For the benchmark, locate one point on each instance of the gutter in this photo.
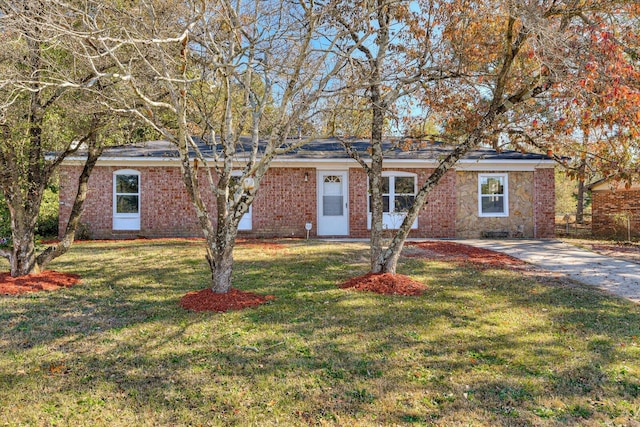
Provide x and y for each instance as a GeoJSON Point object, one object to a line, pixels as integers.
{"type": "Point", "coordinates": [331, 163]}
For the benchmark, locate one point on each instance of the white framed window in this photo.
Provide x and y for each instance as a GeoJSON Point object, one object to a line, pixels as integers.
{"type": "Point", "coordinates": [398, 193]}
{"type": "Point", "coordinates": [126, 200]}
{"type": "Point", "coordinates": [493, 195]}
{"type": "Point", "coordinates": [246, 222]}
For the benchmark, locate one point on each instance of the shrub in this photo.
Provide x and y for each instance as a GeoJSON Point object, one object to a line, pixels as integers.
{"type": "Point", "coordinates": [48, 218]}
{"type": "Point", "coordinates": [47, 224]}
{"type": "Point", "coordinates": [5, 222]}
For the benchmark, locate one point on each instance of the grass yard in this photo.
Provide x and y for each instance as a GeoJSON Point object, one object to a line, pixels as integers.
{"type": "Point", "coordinates": [481, 347]}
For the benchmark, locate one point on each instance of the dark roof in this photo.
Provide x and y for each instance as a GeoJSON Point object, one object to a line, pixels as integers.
{"type": "Point", "coordinates": [329, 148]}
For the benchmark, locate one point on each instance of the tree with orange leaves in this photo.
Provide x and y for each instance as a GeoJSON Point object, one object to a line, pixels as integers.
{"type": "Point", "coordinates": [593, 126]}
{"type": "Point", "coordinates": [517, 72]}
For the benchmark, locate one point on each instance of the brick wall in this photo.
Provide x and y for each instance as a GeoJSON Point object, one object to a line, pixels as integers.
{"type": "Point", "coordinates": [544, 203]}
{"type": "Point", "coordinates": [610, 211]}
{"type": "Point", "coordinates": [285, 203]}
{"type": "Point", "coordinates": [165, 209]}
{"type": "Point", "coordinates": [436, 218]}
{"type": "Point", "coordinates": [358, 204]}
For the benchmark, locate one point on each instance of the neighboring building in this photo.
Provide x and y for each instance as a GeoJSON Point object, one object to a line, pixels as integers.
{"type": "Point", "coordinates": [137, 191]}
{"type": "Point", "coordinates": [615, 209]}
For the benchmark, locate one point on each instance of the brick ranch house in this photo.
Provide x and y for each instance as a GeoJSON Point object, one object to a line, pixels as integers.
{"type": "Point", "coordinates": [612, 205]}
{"type": "Point", "coordinates": [137, 191]}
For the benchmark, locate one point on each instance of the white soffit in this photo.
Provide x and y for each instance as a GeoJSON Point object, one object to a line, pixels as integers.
{"type": "Point", "coordinates": [462, 165]}
{"type": "Point", "coordinates": [611, 185]}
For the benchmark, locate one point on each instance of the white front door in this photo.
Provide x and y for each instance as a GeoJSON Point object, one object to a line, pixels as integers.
{"type": "Point", "coordinates": [126, 200]}
{"type": "Point", "coordinates": [333, 207]}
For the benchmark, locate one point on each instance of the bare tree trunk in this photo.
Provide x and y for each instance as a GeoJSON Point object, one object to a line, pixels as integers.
{"type": "Point", "coordinates": [65, 243]}
{"type": "Point", "coordinates": [375, 183]}
{"type": "Point", "coordinates": [25, 199]}
{"type": "Point", "coordinates": [23, 258]}
{"type": "Point", "coordinates": [389, 260]}
{"type": "Point", "coordinates": [222, 268]}
{"type": "Point", "coordinates": [225, 92]}
{"type": "Point", "coordinates": [44, 106]}
{"type": "Point", "coordinates": [581, 188]}
{"type": "Point", "coordinates": [23, 253]}
{"type": "Point", "coordinates": [222, 273]}
{"type": "Point", "coordinates": [580, 202]}
{"type": "Point", "coordinates": [379, 111]}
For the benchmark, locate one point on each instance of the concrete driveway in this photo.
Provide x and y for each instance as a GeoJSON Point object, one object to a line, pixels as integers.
{"type": "Point", "coordinates": [616, 276]}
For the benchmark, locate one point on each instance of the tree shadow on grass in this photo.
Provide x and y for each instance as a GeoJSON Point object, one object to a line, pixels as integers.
{"type": "Point", "coordinates": [479, 347]}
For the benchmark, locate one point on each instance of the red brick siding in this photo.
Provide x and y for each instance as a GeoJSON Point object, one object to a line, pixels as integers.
{"type": "Point", "coordinates": [358, 204]}
{"type": "Point", "coordinates": [610, 210]}
{"type": "Point", "coordinates": [285, 202]}
{"type": "Point", "coordinates": [436, 218]}
{"type": "Point", "coordinates": [165, 209]}
{"type": "Point", "coordinates": [544, 203]}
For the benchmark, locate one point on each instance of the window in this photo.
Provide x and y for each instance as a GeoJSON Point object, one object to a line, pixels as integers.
{"type": "Point", "coordinates": [493, 193]}
{"type": "Point", "coordinates": [332, 196]}
{"type": "Point", "coordinates": [235, 185]}
{"type": "Point", "coordinates": [126, 200]}
{"type": "Point", "coordinates": [398, 194]}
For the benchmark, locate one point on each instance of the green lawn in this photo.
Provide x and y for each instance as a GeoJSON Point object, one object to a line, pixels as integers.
{"type": "Point", "coordinates": [488, 347]}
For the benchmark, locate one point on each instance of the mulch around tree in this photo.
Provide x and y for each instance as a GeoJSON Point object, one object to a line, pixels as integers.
{"type": "Point", "coordinates": [458, 252]}
{"type": "Point", "coordinates": [385, 283]}
{"type": "Point", "coordinates": [235, 299]}
{"type": "Point", "coordinates": [47, 280]}
{"type": "Point", "coordinates": [207, 300]}
{"type": "Point", "coordinates": [398, 284]}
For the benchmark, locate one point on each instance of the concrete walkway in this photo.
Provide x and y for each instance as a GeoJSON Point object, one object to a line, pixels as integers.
{"type": "Point", "coordinates": [616, 276]}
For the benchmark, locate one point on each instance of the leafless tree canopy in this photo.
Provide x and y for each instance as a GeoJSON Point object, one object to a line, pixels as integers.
{"type": "Point", "coordinates": [491, 71]}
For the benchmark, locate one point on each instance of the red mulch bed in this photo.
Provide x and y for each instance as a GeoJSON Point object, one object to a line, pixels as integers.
{"type": "Point", "coordinates": [207, 300]}
{"type": "Point", "coordinates": [436, 250]}
{"type": "Point", "coordinates": [390, 284]}
{"type": "Point", "coordinates": [457, 252]}
{"type": "Point", "coordinates": [47, 280]}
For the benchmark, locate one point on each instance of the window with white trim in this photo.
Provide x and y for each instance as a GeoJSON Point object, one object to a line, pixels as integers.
{"type": "Point", "coordinates": [493, 195]}
{"type": "Point", "coordinates": [246, 222]}
{"type": "Point", "coordinates": [126, 200]}
{"type": "Point", "coordinates": [398, 193]}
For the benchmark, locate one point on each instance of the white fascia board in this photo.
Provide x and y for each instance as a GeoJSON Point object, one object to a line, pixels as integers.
{"type": "Point", "coordinates": [462, 165]}
{"type": "Point", "coordinates": [174, 161]}
{"type": "Point", "coordinates": [504, 165]}
{"type": "Point", "coordinates": [611, 185]}
{"type": "Point", "coordinates": [466, 165]}
{"type": "Point", "coordinates": [125, 161]}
